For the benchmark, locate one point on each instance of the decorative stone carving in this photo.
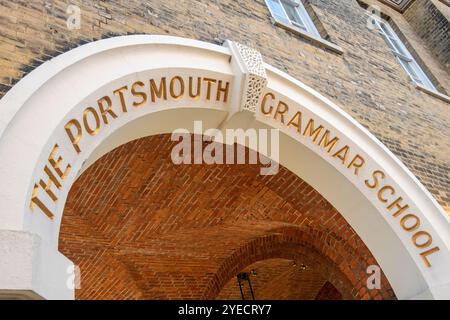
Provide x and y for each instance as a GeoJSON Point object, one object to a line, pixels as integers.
{"type": "Point", "coordinates": [252, 59]}
{"type": "Point", "coordinates": [254, 74]}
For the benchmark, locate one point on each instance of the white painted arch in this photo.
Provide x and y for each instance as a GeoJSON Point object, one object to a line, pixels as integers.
{"type": "Point", "coordinates": [34, 112]}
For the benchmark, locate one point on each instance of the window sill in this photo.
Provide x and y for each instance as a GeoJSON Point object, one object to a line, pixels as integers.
{"type": "Point", "coordinates": [433, 93]}
{"type": "Point", "coordinates": [317, 41]}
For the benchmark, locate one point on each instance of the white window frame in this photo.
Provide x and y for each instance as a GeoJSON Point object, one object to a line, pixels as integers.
{"type": "Point", "coordinates": [306, 24]}
{"type": "Point", "coordinates": [404, 57]}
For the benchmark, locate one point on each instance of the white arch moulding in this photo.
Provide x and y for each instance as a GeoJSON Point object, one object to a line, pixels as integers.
{"type": "Point", "coordinates": [83, 103]}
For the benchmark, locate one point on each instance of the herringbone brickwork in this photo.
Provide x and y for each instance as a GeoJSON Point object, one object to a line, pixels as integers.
{"type": "Point", "coordinates": [139, 226]}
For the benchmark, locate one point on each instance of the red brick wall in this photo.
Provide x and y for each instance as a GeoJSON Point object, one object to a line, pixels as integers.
{"type": "Point", "coordinates": [328, 292]}
{"type": "Point", "coordinates": [280, 279]}
{"type": "Point", "coordinates": [139, 226]}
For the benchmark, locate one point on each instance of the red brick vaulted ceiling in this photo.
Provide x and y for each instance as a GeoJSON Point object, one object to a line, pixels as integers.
{"type": "Point", "coordinates": [140, 227]}
{"type": "Point", "coordinates": [280, 279]}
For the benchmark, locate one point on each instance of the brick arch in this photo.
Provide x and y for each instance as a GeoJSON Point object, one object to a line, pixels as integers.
{"type": "Point", "coordinates": [280, 279]}
{"type": "Point", "coordinates": [342, 266]}
{"type": "Point", "coordinates": [278, 246]}
{"type": "Point", "coordinates": [175, 232]}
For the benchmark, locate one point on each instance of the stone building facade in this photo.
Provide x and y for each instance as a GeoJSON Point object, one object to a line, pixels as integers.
{"type": "Point", "coordinates": [133, 220]}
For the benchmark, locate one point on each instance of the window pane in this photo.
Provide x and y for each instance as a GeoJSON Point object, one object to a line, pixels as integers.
{"type": "Point", "coordinates": [386, 29]}
{"type": "Point", "coordinates": [397, 46]}
{"type": "Point", "coordinates": [389, 43]}
{"type": "Point", "coordinates": [405, 59]}
{"type": "Point", "coordinates": [277, 10]}
{"type": "Point", "coordinates": [407, 66]}
{"type": "Point", "coordinates": [293, 14]}
{"type": "Point", "coordinates": [307, 21]}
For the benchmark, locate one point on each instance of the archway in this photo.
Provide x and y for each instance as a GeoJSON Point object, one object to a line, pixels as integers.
{"type": "Point", "coordinates": [43, 116]}
{"type": "Point", "coordinates": [139, 226]}
{"type": "Point", "coordinates": [280, 279]}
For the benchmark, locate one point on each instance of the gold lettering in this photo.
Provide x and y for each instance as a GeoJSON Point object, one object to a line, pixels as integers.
{"type": "Point", "coordinates": [107, 110]}
{"type": "Point", "coordinates": [195, 96]}
{"type": "Point", "coordinates": [208, 90]}
{"type": "Point", "coordinates": [312, 131]}
{"type": "Point", "coordinates": [342, 154]}
{"type": "Point", "coordinates": [225, 90]}
{"type": "Point", "coordinates": [382, 190]}
{"type": "Point", "coordinates": [410, 228]}
{"type": "Point", "coordinates": [56, 163]}
{"type": "Point", "coordinates": [281, 105]}
{"type": "Point", "coordinates": [119, 92]}
{"type": "Point", "coordinates": [35, 201]}
{"type": "Point", "coordinates": [375, 178]}
{"type": "Point", "coordinates": [328, 144]}
{"type": "Point", "coordinates": [141, 94]}
{"type": "Point", "coordinates": [158, 92]}
{"type": "Point", "coordinates": [172, 88]}
{"type": "Point", "coordinates": [424, 255]}
{"type": "Point", "coordinates": [296, 121]}
{"type": "Point", "coordinates": [72, 138]}
{"type": "Point", "coordinates": [47, 186]}
{"type": "Point", "coordinates": [264, 101]}
{"type": "Point", "coordinates": [86, 123]}
{"type": "Point", "coordinates": [419, 234]}
{"type": "Point", "coordinates": [356, 164]}
{"type": "Point", "coordinates": [397, 205]}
